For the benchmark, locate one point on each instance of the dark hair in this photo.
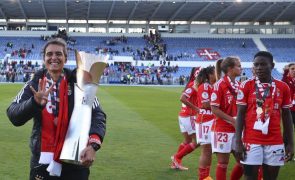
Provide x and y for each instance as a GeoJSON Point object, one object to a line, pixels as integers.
{"type": "Point", "coordinates": [192, 75]}
{"type": "Point", "coordinates": [222, 65]}
{"type": "Point", "coordinates": [56, 41]}
{"type": "Point", "coordinates": [286, 72]}
{"type": "Point", "coordinates": [264, 54]}
{"type": "Point", "coordinates": [203, 75]}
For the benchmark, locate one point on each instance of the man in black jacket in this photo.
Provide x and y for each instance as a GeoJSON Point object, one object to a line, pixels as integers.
{"type": "Point", "coordinates": [49, 99]}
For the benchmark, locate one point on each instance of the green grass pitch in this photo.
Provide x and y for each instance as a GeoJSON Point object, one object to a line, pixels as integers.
{"type": "Point", "coordinates": [142, 134]}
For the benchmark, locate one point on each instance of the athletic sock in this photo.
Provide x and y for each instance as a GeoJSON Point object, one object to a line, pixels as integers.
{"type": "Point", "coordinates": [180, 147]}
{"type": "Point", "coordinates": [260, 173]}
{"type": "Point", "coordinates": [204, 172]}
{"type": "Point", "coordinates": [237, 172]}
{"type": "Point", "coordinates": [221, 171]}
{"type": "Point", "coordinates": [186, 150]}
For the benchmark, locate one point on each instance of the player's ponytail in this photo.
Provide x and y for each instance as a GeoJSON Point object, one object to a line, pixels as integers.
{"type": "Point", "coordinates": [218, 68]}
{"type": "Point", "coordinates": [222, 65]}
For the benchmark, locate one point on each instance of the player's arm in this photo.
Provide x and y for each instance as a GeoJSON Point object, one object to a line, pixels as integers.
{"type": "Point", "coordinates": [98, 122]}
{"type": "Point", "coordinates": [287, 123]}
{"type": "Point", "coordinates": [288, 133]}
{"type": "Point", "coordinates": [96, 134]}
{"type": "Point", "coordinates": [184, 100]}
{"type": "Point", "coordinates": [220, 114]}
{"type": "Point", "coordinates": [240, 123]}
{"type": "Point", "coordinates": [24, 106]}
{"type": "Point", "coordinates": [215, 102]}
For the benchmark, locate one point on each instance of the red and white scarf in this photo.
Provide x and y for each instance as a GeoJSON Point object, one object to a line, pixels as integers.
{"type": "Point", "coordinates": [54, 129]}
{"type": "Point", "coordinates": [262, 88]}
{"type": "Point", "coordinates": [264, 117]}
{"type": "Point", "coordinates": [234, 86]}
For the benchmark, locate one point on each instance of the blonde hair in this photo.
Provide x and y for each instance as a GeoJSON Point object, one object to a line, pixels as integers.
{"type": "Point", "coordinates": [222, 65]}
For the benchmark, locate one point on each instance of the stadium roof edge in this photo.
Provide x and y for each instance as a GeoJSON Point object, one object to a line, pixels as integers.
{"type": "Point", "coordinates": [151, 10]}
{"type": "Point", "coordinates": [200, 0]}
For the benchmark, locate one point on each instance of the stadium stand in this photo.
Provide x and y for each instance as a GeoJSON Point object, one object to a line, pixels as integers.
{"type": "Point", "coordinates": [186, 48]}
{"type": "Point", "coordinates": [281, 48]}
{"type": "Point", "coordinates": [25, 49]}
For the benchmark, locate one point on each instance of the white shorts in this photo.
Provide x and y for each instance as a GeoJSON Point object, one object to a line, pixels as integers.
{"type": "Point", "coordinates": [203, 132]}
{"type": "Point", "coordinates": [272, 155]}
{"type": "Point", "coordinates": [222, 142]}
{"type": "Point", "coordinates": [187, 124]}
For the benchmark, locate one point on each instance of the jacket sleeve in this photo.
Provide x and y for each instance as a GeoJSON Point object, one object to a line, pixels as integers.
{"type": "Point", "coordinates": [98, 120]}
{"type": "Point", "coordinates": [23, 107]}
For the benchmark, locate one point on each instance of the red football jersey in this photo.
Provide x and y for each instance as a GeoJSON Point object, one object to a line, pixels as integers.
{"type": "Point", "coordinates": [204, 93]}
{"type": "Point", "coordinates": [247, 97]}
{"type": "Point", "coordinates": [191, 93]}
{"type": "Point", "coordinates": [223, 98]}
{"type": "Point", "coordinates": [291, 83]}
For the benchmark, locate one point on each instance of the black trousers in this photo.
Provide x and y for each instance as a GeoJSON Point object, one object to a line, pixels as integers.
{"type": "Point", "coordinates": [69, 172]}
{"type": "Point", "coordinates": [293, 117]}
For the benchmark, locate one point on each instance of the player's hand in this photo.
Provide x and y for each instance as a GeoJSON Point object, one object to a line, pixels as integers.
{"type": "Point", "coordinates": [41, 95]}
{"type": "Point", "coordinates": [240, 151]}
{"type": "Point", "coordinates": [233, 121]}
{"type": "Point", "coordinates": [87, 156]}
{"type": "Point", "coordinates": [289, 153]}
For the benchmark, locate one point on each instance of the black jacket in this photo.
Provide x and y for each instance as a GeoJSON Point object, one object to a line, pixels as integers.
{"type": "Point", "coordinates": [24, 107]}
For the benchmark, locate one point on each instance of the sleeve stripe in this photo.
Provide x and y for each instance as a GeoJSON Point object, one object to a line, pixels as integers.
{"type": "Point", "coordinates": [19, 95]}
{"type": "Point", "coordinates": [95, 103]}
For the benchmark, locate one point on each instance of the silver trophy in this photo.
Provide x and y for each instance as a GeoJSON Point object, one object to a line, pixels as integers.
{"type": "Point", "coordinates": [90, 67]}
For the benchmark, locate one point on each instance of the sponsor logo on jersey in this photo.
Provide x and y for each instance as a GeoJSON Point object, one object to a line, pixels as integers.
{"type": "Point", "coordinates": [229, 99]}
{"type": "Point", "coordinates": [205, 111]}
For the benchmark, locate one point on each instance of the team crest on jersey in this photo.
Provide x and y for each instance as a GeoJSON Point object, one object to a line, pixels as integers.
{"type": "Point", "coordinates": [213, 97]}
{"type": "Point", "coordinates": [206, 137]}
{"type": "Point", "coordinates": [229, 99]}
{"type": "Point", "coordinates": [205, 95]}
{"type": "Point", "coordinates": [188, 91]}
{"type": "Point", "coordinates": [221, 146]}
{"type": "Point", "coordinates": [240, 95]}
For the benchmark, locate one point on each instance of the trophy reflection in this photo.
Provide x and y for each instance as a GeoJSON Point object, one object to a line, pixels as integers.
{"type": "Point", "coordinates": [90, 67]}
